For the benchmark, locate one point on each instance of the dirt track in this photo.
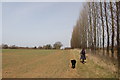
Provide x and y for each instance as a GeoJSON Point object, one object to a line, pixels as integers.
{"type": "Point", "coordinates": [50, 64]}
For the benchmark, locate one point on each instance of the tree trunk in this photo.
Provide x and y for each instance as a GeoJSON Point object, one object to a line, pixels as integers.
{"type": "Point", "coordinates": [90, 22]}
{"type": "Point", "coordinates": [102, 24]}
{"type": "Point", "coordinates": [118, 28]}
{"type": "Point", "coordinates": [94, 25]}
{"type": "Point", "coordinates": [113, 33]}
{"type": "Point", "coordinates": [107, 28]}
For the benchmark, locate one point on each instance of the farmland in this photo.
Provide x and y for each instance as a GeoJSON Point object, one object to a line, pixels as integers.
{"type": "Point", "coordinates": [35, 63]}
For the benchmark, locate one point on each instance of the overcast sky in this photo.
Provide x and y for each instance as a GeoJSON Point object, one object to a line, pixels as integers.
{"type": "Point", "coordinates": [38, 23]}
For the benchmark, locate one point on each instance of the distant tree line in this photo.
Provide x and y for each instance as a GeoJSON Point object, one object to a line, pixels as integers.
{"type": "Point", "coordinates": [98, 27]}
{"type": "Point", "coordinates": [56, 45]}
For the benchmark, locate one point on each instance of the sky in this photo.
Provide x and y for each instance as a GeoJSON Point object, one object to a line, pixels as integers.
{"type": "Point", "coordinates": [38, 23]}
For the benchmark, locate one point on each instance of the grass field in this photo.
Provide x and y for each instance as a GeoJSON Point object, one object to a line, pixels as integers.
{"type": "Point", "coordinates": [31, 63]}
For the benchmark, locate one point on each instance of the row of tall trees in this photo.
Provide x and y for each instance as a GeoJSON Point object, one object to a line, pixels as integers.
{"type": "Point", "coordinates": [98, 27]}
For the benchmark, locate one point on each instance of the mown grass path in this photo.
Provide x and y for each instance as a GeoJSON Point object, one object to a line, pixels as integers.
{"type": "Point", "coordinates": [91, 69]}
{"type": "Point", "coordinates": [23, 63]}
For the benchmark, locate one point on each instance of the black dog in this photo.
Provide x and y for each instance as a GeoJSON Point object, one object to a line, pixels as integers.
{"type": "Point", "coordinates": [73, 63]}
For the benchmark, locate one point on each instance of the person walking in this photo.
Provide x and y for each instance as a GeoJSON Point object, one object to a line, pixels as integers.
{"type": "Point", "coordinates": [83, 56]}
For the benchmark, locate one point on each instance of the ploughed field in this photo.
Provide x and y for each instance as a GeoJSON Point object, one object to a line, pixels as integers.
{"type": "Point", "coordinates": [35, 63]}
